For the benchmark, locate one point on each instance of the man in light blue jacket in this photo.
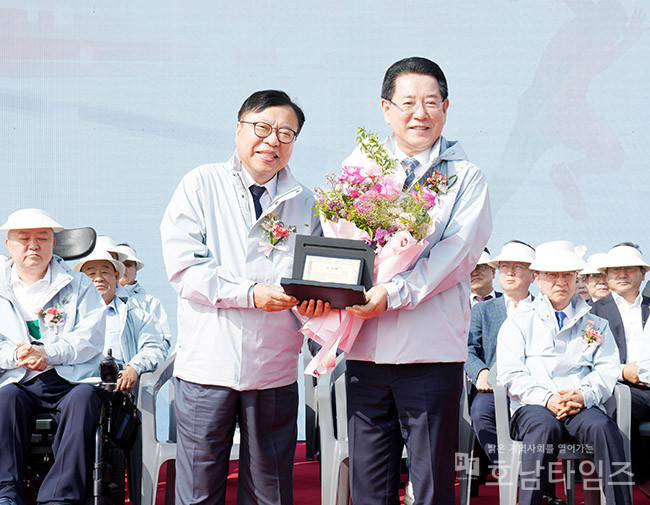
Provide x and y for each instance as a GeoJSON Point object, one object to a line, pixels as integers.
{"type": "Point", "coordinates": [51, 337]}
{"type": "Point", "coordinates": [414, 338]}
{"type": "Point", "coordinates": [135, 290]}
{"type": "Point", "coordinates": [559, 364]}
{"type": "Point", "coordinates": [238, 340]}
{"type": "Point", "coordinates": [137, 340]}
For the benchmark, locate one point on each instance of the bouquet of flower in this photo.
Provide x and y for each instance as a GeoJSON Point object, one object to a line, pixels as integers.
{"type": "Point", "coordinates": [369, 195]}
{"type": "Point", "coordinates": [367, 202]}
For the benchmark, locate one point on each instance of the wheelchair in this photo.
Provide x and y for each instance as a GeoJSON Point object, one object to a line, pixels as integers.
{"type": "Point", "coordinates": [106, 479]}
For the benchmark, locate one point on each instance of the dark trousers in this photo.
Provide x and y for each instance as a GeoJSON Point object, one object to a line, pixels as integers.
{"type": "Point", "coordinates": [392, 405]}
{"type": "Point", "coordinates": [542, 434]}
{"type": "Point", "coordinates": [485, 424]}
{"type": "Point", "coordinates": [76, 409]}
{"type": "Point", "coordinates": [206, 417]}
{"type": "Point", "coordinates": [640, 447]}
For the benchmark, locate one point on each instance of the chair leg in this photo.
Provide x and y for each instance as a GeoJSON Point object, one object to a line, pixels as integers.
{"type": "Point", "coordinates": [569, 481]}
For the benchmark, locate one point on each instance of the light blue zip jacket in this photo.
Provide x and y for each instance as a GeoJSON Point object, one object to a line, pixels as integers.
{"type": "Point", "coordinates": [536, 359]}
{"type": "Point", "coordinates": [210, 241]}
{"type": "Point", "coordinates": [145, 340]}
{"type": "Point", "coordinates": [151, 305]}
{"type": "Point", "coordinates": [428, 314]}
{"type": "Point", "coordinates": [76, 349]}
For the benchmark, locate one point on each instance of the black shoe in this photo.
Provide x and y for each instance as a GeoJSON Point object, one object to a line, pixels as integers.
{"type": "Point", "coordinates": [552, 500]}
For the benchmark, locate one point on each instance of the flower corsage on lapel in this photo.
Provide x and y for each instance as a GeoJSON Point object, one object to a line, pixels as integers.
{"type": "Point", "coordinates": [591, 336]}
{"type": "Point", "coordinates": [275, 232]}
{"type": "Point", "coordinates": [53, 317]}
{"type": "Point", "coordinates": [440, 183]}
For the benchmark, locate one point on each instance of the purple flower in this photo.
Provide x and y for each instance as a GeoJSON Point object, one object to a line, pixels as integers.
{"type": "Point", "coordinates": [381, 236]}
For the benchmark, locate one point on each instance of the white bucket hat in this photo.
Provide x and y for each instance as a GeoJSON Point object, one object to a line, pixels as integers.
{"type": "Point", "coordinates": [130, 255]}
{"type": "Point", "coordinates": [29, 219]}
{"type": "Point", "coordinates": [106, 243]}
{"type": "Point", "coordinates": [623, 256]}
{"type": "Point", "coordinates": [514, 251]}
{"type": "Point", "coordinates": [593, 264]}
{"type": "Point", "coordinates": [100, 254]}
{"type": "Point", "coordinates": [557, 256]}
{"type": "Point", "coordinates": [484, 259]}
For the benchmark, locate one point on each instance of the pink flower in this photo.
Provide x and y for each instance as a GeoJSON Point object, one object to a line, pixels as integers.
{"type": "Point", "coordinates": [352, 175]}
{"type": "Point", "coordinates": [389, 188]}
{"type": "Point", "coordinates": [53, 311]}
{"type": "Point", "coordinates": [370, 171]}
{"type": "Point", "coordinates": [279, 232]}
{"type": "Point", "coordinates": [429, 197]}
{"type": "Point", "coordinates": [400, 241]}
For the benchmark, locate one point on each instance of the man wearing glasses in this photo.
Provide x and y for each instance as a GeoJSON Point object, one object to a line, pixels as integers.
{"type": "Point", "coordinates": [405, 369]}
{"type": "Point", "coordinates": [628, 311]}
{"type": "Point", "coordinates": [238, 340]}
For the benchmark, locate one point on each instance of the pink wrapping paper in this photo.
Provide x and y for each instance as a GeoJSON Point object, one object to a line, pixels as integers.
{"type": "Point", "coordinates": [339, 329]}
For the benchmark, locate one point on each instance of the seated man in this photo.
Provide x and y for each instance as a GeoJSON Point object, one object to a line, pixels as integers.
{"type": "Point", "coordinates": [51, 338]}
{"type": "Point", "coordinates": [627, 311]}
{"type": "Point", "coordinates": [559, 364]}
{"type": "Point", "coordinates": [132, 265]}
{"type": "Point", "coordinates": [135, 337]}
{"type": "Point", "coordinates": [481, 280]}
{"type": "Point", "coordinates": [596, 280]}
{"type": "Point", "coordinates": [643, 364]}
{"type": "Point", "coordinates": [129, 281]}
{"type": "Point", "coordinates": [515, 278]}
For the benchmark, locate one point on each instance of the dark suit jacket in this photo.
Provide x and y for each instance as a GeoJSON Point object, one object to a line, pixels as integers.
{"type": "Point", "coordinates": [606, 308]}
{"type": "Point", "coordinates": [487, 318]}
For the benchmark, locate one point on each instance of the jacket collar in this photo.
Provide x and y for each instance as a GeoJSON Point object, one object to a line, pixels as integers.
{"type": "Point", "coordinates": [61, 277]}
{"type": "Point", "coordinates": [287, 185]}
{"type": "Point", "coordinates": [542, 305]}
{"type": "Point", "coordinates": [450, 150]}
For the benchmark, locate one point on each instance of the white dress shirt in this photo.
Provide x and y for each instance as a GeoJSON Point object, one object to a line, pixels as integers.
{"type": "Point", "coordinates": [113, 332]}
{"type": "Point", "coordinates": [423, 158]}
{"type": "Point", "coordinates": [511, 307]}
{"type": "Point", "coordinates": [30, 299]}
{"type": "Point", "coordinates": [633, 324]}
{"type": "Point", "coordinates": [643, 363]}
{"type": "Point", "coordinates": [474, 298]}
{"type": "Point", "coordinates": [267, 197]}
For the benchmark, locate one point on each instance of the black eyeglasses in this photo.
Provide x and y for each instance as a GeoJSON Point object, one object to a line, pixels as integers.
{"type": "Point", "coordinates": [263, 130]}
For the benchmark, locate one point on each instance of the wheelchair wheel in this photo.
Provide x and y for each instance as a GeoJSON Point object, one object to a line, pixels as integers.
{"type": "Point", "coordinates": [117, 461]}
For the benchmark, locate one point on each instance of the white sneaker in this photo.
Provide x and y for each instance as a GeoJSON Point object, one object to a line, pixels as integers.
{"type": "Point", "coordinates": [409, 497]}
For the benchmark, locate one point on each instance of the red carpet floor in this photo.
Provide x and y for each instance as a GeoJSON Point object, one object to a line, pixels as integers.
{"type": "Point", "coordinates": [307, 486]}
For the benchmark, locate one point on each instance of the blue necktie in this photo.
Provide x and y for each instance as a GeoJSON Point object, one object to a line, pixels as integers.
{"type": "Point", "coordinates": [560, 316]}
{"type": "Point", "coordinates": [257, 192]}
{"type": "Point", "coordinates": [411, 165]}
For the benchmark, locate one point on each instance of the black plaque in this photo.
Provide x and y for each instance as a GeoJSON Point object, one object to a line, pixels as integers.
{"type": "Point", "coordinates": [338, 271]}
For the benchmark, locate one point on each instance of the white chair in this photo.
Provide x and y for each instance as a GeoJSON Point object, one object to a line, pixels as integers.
{"type": "Point", "coordinates": [334, 462]}
{"type": "Point", "coordinates": [311, 407]}
{"type": "Point", "coordinates": [155, 452]}
{"type": "Point", "coordinates": [333, 426]}
{"type": "Point", "coordinates": [465, 456]}
{"type": "Point", "coordinates": [510, 450]}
